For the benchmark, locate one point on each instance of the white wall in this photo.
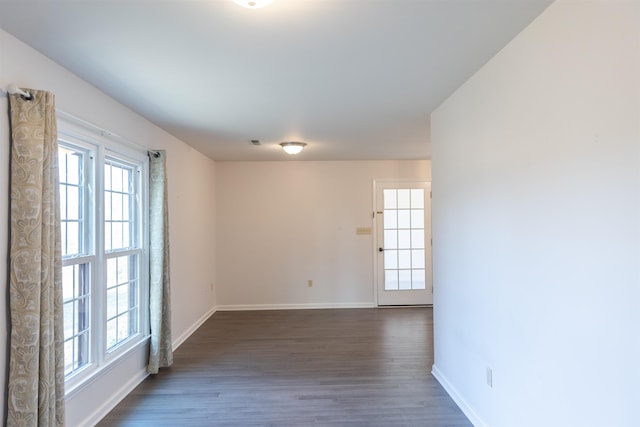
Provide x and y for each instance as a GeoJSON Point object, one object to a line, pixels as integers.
{"type": "Point", "coordinates": [536, 225]}
{"type": "Point", "coordinates": [280, 224]}
{"type": "Point", "coordinates": [191, 211]}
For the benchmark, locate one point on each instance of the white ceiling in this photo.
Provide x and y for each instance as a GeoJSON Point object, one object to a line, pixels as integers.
{"type": "Point", "coordinates": [356, 79]}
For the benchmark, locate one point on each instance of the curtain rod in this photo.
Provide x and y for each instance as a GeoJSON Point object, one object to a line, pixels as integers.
{"type": "Point", "coordinates": [13, 89]}
{"type": "Point", "coordinates": [70, 118]}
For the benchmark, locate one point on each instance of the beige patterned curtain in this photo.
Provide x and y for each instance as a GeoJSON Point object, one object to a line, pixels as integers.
{"type": "Point", "coordinates": [36, 361]}
{"type": "Point", "coordinates": [160, 352]}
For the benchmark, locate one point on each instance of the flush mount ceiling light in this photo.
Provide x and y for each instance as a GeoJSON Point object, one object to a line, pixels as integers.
{"type": "Point", "coordinates": [292, 147]}
{"type": "Point", "coordinates": [252, 4]}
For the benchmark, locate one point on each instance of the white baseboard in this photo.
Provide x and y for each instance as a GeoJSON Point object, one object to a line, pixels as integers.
{"type": "Point", "coordinates": [457, 398]}
{"type": "Point", "coordinates": [113, 401]}
{"type": "Point", "coordinates": [312, 306]}
{"type": "Point", "coordinates": [182, 338]}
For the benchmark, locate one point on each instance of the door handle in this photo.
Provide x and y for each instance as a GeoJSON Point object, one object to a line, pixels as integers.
{"type": "Point", "coordinates": [380, 249]}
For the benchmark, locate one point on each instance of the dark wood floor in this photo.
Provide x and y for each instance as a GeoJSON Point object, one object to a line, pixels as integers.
{"type": "Point", "coordinates": [360, 367]}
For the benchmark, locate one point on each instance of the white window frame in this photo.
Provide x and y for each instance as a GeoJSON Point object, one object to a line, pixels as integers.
{"type": "Point", "coordinates": [87, 255]}
{"type": "Point", "coordinates": [100, 145]}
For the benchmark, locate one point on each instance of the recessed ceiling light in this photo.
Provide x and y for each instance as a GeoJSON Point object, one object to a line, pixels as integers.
{"type": "Point", "coordinates": [252, 4]}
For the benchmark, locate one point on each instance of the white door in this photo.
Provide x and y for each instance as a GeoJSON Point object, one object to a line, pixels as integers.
{"type": "Point", "coordinates": [403, 243]}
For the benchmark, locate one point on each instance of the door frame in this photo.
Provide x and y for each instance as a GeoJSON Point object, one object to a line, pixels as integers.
{"type": "Point", "coordinates": [376, 259]}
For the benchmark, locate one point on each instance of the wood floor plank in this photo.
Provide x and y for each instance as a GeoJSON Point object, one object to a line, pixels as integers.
{"type": "Point", "coordinates": [352, 367]}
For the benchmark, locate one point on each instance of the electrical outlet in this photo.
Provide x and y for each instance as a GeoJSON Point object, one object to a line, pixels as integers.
{"type": "Point", "coordinates": [309, 283]}
{"type": "Point", "coordinates": [489, 377]}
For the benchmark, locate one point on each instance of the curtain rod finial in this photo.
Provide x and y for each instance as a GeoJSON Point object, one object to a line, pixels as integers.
{"type": "Point", "coordinates": [13, 89]}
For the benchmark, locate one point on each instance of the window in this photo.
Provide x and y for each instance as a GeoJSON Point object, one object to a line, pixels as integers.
{"type": "Point", "coordinates": [102, 203]}
{"type": "Point", "coordinates": [77, 258]}
{"type": "Point", "coordinates": [122, 254]}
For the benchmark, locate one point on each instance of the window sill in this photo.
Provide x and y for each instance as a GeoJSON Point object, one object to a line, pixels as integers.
{"type": "Point", "coordinates": [99, 372]}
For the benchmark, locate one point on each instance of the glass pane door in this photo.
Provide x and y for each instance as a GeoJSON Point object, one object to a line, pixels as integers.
{"type": "Point", "coordinates": [402, 237]}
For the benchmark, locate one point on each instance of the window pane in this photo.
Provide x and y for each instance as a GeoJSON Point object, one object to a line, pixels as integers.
{"type": "Point", "coordinates": [83, 348]}
{"type": "Point", "coordinates": [389, 197]}
{"type": "Point", "coordinates": [83, 314]}
{"type": "Point", "coordinates": [73, 201]}
{"type": "Point", "coordinates": [390, 218]}
{"type": "Point", "coordinates": [62, 165]}
{"type": "Point", "coordinates": [404, 199]}
{"type": "Point", "coordinates": [73, 238]}
{"type": "Point", "coordinates": [63, 238]}
{"type": "Point", "coordinates": [123, 327]}
{"type": "Point", "coordinates": [73, 168]}
{"type": "Point", "coordinates": [68, 318]}
{"type": "Point", "coordinates": [404, 279]}
{"type": "Point", "coordinates": [404, 259]}
{"type": "Point", "coordinates": [68, 357]}
{"type": "Point", "coordinates": [116, 235]}
{"type": "Point", "coordinates": [417, 258]}
{"type": "Point", "coordinates": [116, 178]}
{"type": "Point", "coordinates": [71, 164]}
{"type": "Point", "coordinates": [390, 280]}
{"type": "Point", "coordinates": [417, 239]}
{"type": "Point", "coordinates": [417, 199]}
{"type": "Point", "coordinates": [418, 281]}
{"type": "Point", "coordinates": [126, 214]}
{"type": "Point", "coordinates": [119, 216]}
{"type": "Point", "coordinates": [123, 298]}
{"type": "Point", "coordinates": [112, 303]}
{"type": "Point", "coordinates": [417, 218]}
{"type": "Point", "coordinates": [63, 201]}
{"type": "Point", "coordinates": [112, 269]}
{"type": "Point", "coordinates": [126, 181]}
{"type": "Point", "coordinates": [123, 270]}
{"type": "Point", "coordinates": [76, 315]}
{"type": "Point", "coordinates": [116, 206]}
{"type": "Point", "coordinates": [126, 235]}
{"type": "Point", "coordinates": [390, 239]}
{"type": "Point", "coordinates": [67, 283]}
{"type": "Point", "coordinates": [390, 259]}
{"type": "Point", "coordinates": [403, 219]}
{"type": "Point", "coordinates": [404, 239]}
{"type": "Point", "coordinates": [112, 328]}
{"type": "Point", "coordinates": [82, 286]}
